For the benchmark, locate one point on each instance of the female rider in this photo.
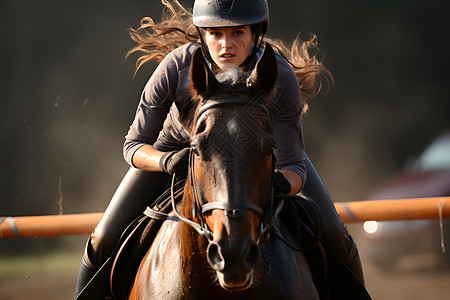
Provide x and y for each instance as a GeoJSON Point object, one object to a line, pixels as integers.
{"type": "Point", "coordinates": [157, 144]}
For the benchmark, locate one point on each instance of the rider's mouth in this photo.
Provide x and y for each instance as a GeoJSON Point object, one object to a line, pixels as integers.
{"type": "Point", "coordinates": [227, 56]}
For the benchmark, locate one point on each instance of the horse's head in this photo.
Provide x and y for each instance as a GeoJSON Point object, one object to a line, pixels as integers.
{"type": "Point", "coordinates": [232, 163]}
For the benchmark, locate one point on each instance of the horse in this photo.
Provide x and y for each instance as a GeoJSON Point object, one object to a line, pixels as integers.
{"type": "Point", "coordinates": [216, 242]}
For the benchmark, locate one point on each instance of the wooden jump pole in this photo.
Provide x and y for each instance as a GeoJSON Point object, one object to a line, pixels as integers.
{"type": "Point", "coordinates": [350, 212]}
{"type": "Point", "coordinates": [46, 226]}
{"type": "Point", "coordinates": [394, 209]}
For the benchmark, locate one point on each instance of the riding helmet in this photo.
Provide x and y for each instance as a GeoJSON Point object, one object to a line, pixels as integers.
{"type": "Point", "coordinates": [228, 13]}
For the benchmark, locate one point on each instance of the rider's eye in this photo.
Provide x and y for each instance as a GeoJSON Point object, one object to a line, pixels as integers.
{"type": "Point", "coordinates": [215, 33]}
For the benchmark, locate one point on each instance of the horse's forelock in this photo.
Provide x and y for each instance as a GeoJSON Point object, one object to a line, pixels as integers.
{"type": "Point", "coordinates": [232, 76]}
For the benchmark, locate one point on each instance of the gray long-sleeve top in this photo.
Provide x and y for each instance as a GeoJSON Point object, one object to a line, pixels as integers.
{"type": "Point", "coordinates": [167, 89]}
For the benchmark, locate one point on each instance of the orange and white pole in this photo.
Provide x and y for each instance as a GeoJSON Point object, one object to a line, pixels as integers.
{"type": "Point", "coordinates": [45, 226]}
{"type": "Point", "coordinates": [350, 212]}
{"type": "Point", "coordinates": [394, 209]}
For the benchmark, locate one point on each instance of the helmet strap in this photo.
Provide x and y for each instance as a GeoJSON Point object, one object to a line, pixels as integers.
{"type": "Point", "coordinates": [205, 49]}
{"type": "Point", "coordinates": [259, 37]}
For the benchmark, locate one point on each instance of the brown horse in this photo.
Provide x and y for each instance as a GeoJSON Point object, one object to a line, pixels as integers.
{"type": "Point", "coordinates": [217, 245]}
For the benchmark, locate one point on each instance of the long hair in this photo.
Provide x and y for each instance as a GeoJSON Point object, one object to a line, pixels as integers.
{"type": "Point", "coordinates": [156, 40]}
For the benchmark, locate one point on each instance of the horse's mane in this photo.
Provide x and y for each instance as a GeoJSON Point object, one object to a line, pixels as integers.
{"type": "Point", "coordinates": [157, 39]}
{"type": "Point", "coordinates": [233, 76]}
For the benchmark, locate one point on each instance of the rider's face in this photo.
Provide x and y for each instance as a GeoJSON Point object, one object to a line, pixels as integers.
{"type": "Point", "coordinates": [229, 45]}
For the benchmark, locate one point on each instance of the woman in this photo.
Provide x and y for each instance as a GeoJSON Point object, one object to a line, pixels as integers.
{"type": "Point", "coordinates": [230, 33]}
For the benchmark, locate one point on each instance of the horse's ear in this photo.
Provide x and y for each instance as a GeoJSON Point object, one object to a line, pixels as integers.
{"type": "Point", "coordinates": [265, 73]}
{"type": "Point", "coordinates": [202, 79]}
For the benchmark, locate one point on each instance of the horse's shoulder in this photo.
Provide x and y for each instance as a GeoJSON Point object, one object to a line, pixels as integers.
{"type": "Point", "coordinates": [166, 244]}
{"type": "Point", "coordinates": [160, 255]}
{"type": "Point", "coordinates": [278, 253]}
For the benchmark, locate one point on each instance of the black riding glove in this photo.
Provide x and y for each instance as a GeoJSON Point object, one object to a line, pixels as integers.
{"type": "Point", "coordinates": [280, 184]}
{"type": "Point", "coordinates": [175, 162]}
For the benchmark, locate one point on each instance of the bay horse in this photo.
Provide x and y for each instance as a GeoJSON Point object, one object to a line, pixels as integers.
{"type": "Point", "coordinates": [216, 244]}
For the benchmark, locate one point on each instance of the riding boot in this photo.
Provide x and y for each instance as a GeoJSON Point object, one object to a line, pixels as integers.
{"type": "Point", "coordinates": [339, 244]}
{"type": "Point", "coordinates": [84, 276]}
{"type": "Point", "coordinates": [354, 264]}
{"type": "Point", "coordinates": [87, 271]}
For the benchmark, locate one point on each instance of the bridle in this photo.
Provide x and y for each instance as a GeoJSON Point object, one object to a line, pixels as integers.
{"type": "Point", "coordinates": [231, 211]}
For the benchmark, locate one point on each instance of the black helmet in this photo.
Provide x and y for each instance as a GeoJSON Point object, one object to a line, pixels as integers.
{"type": "Point", "coordinates": [228, 13]}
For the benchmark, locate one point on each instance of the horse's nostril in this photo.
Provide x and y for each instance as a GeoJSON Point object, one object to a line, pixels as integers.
{"type": "Point", "coordinates": [252, 256]}
{"type": "Point", "coordinates": [215, 258]}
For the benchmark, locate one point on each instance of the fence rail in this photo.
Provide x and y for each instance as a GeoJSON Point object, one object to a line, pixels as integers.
{"type": "Point", "coordinates": [350, 212]}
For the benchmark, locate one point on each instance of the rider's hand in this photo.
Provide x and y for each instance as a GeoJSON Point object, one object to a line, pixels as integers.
{"type": "Point", "coordinates": [175, 162]}
{"type": "Point", "coordinates": [280, 184]}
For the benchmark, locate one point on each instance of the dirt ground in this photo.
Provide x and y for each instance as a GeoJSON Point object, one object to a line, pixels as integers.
{"type": "Point", "coordinates": [412, 278]}
{"type": "Point", "coordinates": [411, 281]}
{"type": "Point", "coordinates": [53, 277]}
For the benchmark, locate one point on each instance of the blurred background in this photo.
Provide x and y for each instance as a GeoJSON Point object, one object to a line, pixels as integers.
{"type": "Point", "coordinates": [69, 96]}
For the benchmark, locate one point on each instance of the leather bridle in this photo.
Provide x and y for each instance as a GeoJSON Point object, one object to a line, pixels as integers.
{"type": "Point", "coordinates": [232, 211]}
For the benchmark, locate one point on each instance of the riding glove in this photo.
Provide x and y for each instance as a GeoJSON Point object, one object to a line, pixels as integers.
{"type": "Point", "coordinates": [175, 162]}
{"type": "Point", "coordinates": [280, 184]}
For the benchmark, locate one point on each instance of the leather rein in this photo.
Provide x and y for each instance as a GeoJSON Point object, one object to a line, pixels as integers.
{"type": "Point", "coordinates": [232, 211]}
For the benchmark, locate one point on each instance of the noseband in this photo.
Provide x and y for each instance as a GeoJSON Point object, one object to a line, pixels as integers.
{"type": "Point", "coordinates": [231, 211]}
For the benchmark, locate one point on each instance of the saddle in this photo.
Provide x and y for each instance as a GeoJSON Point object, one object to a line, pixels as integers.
{"type": "Point", "coordinates": [303, 220]}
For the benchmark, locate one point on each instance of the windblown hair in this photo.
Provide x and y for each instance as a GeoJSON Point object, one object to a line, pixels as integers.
{"type": "Point", "coordinates": [156, 40]}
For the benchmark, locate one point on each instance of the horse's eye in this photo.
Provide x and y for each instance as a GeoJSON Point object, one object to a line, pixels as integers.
{"type": "Point", "coordinates": [201, 127]}
{"type": "Point", "coordinates": [269, 154]}
{"type": "Point", "coordinates": [195, 150]}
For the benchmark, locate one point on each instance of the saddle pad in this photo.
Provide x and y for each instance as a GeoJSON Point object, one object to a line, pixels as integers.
{"type": "Point", "coordinates": [302, 217]}
{"type": "Point", "coordinates": [128, 258]}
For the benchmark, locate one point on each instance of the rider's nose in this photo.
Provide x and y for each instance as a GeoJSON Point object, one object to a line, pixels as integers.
{"type": "Point", "coordinates": [226, 42]}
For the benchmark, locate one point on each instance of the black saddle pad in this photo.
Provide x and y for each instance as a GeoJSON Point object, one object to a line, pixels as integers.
{"type": "Point", "coordinates": [129, 256]}
{"type": "Point", "coordinates": [304, 223]}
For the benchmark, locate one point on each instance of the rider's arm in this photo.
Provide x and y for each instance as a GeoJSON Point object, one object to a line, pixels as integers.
{"type": "Point", "coordinates": [156, 101]}
{"type": "Point", "coordinates": [294, 179]}
{"type": "Point", "coordinates": [147, 158]}
{"type": "Point", "coordinates": [287, 127]}
{"type": "Point", "coordinates": [154, 106]}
